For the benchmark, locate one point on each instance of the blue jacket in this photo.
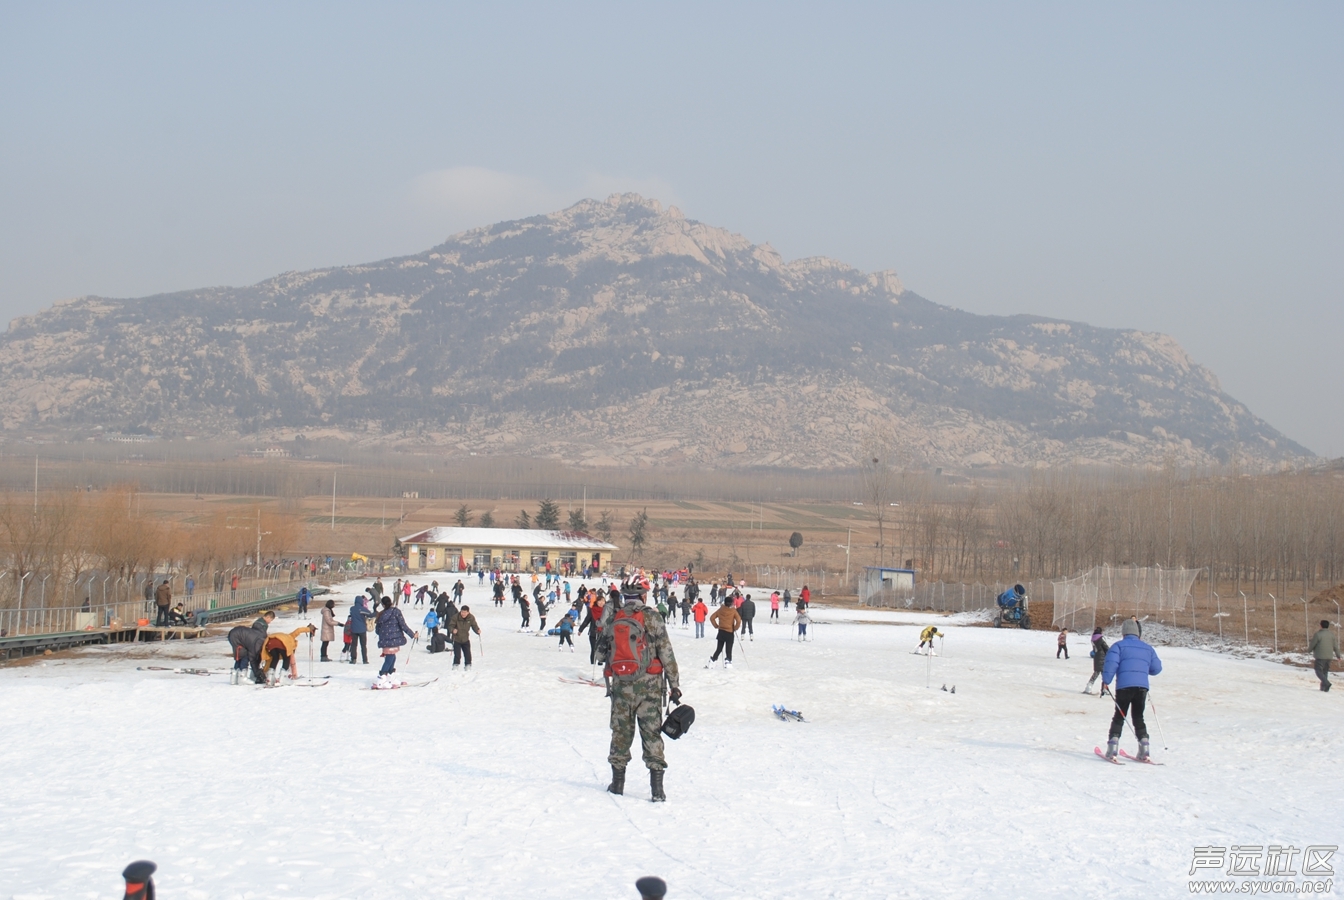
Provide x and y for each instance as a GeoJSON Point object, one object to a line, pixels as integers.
{"type": "Point", "coordinates": [359, 622]}
{"type": "Point", "coordinates": [1130, 661]}
{"type": "Point", "coordinates": [391, 628]}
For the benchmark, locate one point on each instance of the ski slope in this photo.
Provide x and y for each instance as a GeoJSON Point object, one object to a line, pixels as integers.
{"type": "Point", "coordinates": [491, 784]}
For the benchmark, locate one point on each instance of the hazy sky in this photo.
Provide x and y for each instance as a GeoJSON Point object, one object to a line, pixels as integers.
{"type": "Point", "coordinates": [1167, 167]}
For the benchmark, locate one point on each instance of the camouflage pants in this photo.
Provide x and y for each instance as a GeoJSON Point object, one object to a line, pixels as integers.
{"type": "Point", "coordinates": [637, 704]}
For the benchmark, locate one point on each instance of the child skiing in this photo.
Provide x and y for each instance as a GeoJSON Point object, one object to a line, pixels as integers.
{"type": "Point", "coordinates": [432, 623]}
{"type": "Point", "coordinates": [1099, 649]}
{"type": "Point", "coordinates": [566, 629]}
{"type": "Point", "coordinates": [926, 637]}
{"type": "Point", "coordinates": [1062, 645]}
{"type": "Point", "coordinates": [774, 607]}
{"type": "Point", "coordinates": [803, 620]}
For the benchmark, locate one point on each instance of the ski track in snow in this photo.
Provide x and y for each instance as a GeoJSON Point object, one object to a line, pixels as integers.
{"type": "Point", "coordinates": [492, 783]}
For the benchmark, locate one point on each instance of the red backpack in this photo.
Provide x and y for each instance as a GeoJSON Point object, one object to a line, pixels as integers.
{"type": "Point", "coordinates": [631, 653]}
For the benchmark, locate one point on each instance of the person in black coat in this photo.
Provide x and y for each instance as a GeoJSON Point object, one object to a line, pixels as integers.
{"type": "Point", "coordinates": [748, 612]}
{"type": "Point", "coordinates": [246, 641]}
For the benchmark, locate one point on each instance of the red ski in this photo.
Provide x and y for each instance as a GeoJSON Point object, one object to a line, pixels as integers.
{"type": "Point", "coordinates": [1097, 750]}
{"type": "Point", "coordinates": [1126, 755]}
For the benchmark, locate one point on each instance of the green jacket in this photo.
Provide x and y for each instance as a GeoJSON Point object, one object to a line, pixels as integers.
{"type": "Point", "coordinates": [1324, 644]}
{"type": "Point", "coordinates": [461, 628]}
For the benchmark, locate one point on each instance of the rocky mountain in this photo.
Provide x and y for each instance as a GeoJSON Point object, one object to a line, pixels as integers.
{"type": "Point", "coordinates": [620, 332]}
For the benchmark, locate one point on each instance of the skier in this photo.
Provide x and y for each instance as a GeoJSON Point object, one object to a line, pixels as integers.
{"type": "Point", "coordinates": [926, 637]}
{"type": "Point", "coordinates": [279, 649]}
{"type": "Point", "coordinates": [1062, 644]}
{"type": "Point", "coordinates": [392, 633]}
{"type": "Point", "coordinates": [304, 596]}
{"type": "Point", "coordinates": [726, 620]}
{"type": "Point", "coordinates": [526, 610]}
{"type": "Point", "coordinates": [463, 624]}
{"type": "Point", "coordinates": [804, 597]}
{"type": "Point", "coordinates": [774, 607]}
{"type": "Point", "coordinates": [788, 598]}
{"type": "Point", "coordinates": [431, 623]}
{"type": "Point", "coordinates": [246, 641]}
{"type": "Point", "coordinates": [457, 592]}
{"type": "Point", "coordinates": [1099, 649]}
{"type": "Point", "coordinates": [566, 629]}
{"type": "Point", "coordinates": [499, 593]}
{"type": "Point", "coordinates": [700, 611]}
{"type": "Point", "coordinates": [420, 594]}
{"type": "Point", "coordinates": [593, 624]}
{"type": "Point", "coordinates": [541, 615]}
{"type": "Point", "coordinates": [358, 622]}
{"type": "Point", "coordinates": [803, 620]}
{"type": "Point", "coordinates": [747, 610]}
{"type": "Point", "coordinates": [1130, 661]}
{"type": "Point", "coordinates": [1324, 647]}
{"type": "Point", "coordinates": [639, 665]}
{"type": "Point", "coordinates": [328, 627]}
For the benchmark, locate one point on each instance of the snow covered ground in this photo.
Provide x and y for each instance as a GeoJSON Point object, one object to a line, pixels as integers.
{"type": "Point", "coordinates": [491, 784]}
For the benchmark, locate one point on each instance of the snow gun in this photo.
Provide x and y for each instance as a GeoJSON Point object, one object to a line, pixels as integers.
{"type": "Point", "coordinates": [139, 877]}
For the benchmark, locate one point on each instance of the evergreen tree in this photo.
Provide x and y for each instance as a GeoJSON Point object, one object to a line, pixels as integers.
{"type": "Point", "coordinates": [523, 520]}
{"type": "Point", "coordinates": [548, 516]}
{"type": "Point", "coordinates": [577, 522]}
{"type": "Point", "coordinates": [487, 520]}
{"type": "Point", "coordinates": [463, 516]}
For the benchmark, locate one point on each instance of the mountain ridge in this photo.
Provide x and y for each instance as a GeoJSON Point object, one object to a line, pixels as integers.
{"type": "Point", "coordinates": [619, 332]}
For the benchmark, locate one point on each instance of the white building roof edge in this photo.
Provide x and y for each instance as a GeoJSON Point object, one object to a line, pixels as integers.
{"type": "Point", "coordinates": [522, 538]}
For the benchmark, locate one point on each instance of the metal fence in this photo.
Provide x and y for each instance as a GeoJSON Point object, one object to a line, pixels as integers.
{"type": "Point", "coordinates": [947, 596]}
{"type": "Point", "coordinates": [782, 578]}
{"type": "Point", "coordinates": [89, 617]}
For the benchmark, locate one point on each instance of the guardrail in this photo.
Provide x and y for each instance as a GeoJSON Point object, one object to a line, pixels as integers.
{"type": "Point", "coordinates": [200, 608]}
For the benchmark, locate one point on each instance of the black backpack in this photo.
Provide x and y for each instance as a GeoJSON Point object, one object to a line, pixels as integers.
{"type": "Point", "coordinates": [678, 721]}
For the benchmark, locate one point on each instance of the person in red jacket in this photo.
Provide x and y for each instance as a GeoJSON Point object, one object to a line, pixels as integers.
{"type": "Point", "coordinates": [700, 611]}
{"type": "Point", "coordinates": [804, 597]}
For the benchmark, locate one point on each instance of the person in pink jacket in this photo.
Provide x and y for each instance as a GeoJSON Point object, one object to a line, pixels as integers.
{"type": "Point", "coordinates": [774, 607]}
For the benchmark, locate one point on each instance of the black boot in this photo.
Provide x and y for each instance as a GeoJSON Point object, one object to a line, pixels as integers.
{"type": "Point", "coordinates": [656, 786]}
{"type": "Point", "coordinates": [617, 785]}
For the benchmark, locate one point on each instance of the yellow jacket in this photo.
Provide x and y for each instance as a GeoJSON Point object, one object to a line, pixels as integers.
{"type": "Point", "coordinates": [291, 640]}
{"type": "Point", "coordinates": [929, 634]}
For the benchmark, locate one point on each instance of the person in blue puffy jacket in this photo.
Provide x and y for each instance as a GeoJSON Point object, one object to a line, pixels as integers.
{"type": "Point", "coordinates": [359, 630]}
{"type": "Point", "coordinates": [1129, 661]}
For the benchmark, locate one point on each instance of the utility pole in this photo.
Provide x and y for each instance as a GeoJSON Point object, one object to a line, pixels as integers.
{"type": "Point", "coordinates": [333, 501]}
{"type": "Point", "coordinates": [35, 459]}
{"type": "Point", "coordinates": [849, 537]}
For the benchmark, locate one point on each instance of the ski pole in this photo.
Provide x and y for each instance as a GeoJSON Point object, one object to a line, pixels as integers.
{"type": "Point", "coordinates": [928, 667]}
{"type": "Point", "coordinates": [1158, 720]}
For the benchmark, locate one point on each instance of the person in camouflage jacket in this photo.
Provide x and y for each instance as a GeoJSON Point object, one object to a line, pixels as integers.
{"type": "Point", "coordinates": [637, 700]}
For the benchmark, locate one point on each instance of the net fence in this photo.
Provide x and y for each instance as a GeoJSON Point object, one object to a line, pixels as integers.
{"type": "Point", "coordinates": [1140, 591]}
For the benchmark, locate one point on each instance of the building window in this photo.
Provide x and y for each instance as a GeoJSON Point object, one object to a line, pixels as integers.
{"type": "Point", "coordinates": [481, 559]}
{"type": "Point", "coordinates": [538, 559]}
{"type": "Point", "coordinates": [569, 559]}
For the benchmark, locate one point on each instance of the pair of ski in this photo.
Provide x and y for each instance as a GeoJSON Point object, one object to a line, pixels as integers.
{"type": "Point", "coordinates": [178, 671]}
{"type": "Point", "coordinates": [1126, 755]}
{"type": "Point", "coordinates": [402, 684]}
{"type": "Point", "coordinates": [587, 681]}
{"type": "Point", "coordinates": [788, 715]}
{"type": "Point", "coordinates": [320, 681]}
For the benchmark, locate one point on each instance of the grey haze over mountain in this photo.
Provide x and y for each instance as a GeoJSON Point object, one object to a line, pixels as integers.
{"type": "Point", "coordinates": [620, 332]}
